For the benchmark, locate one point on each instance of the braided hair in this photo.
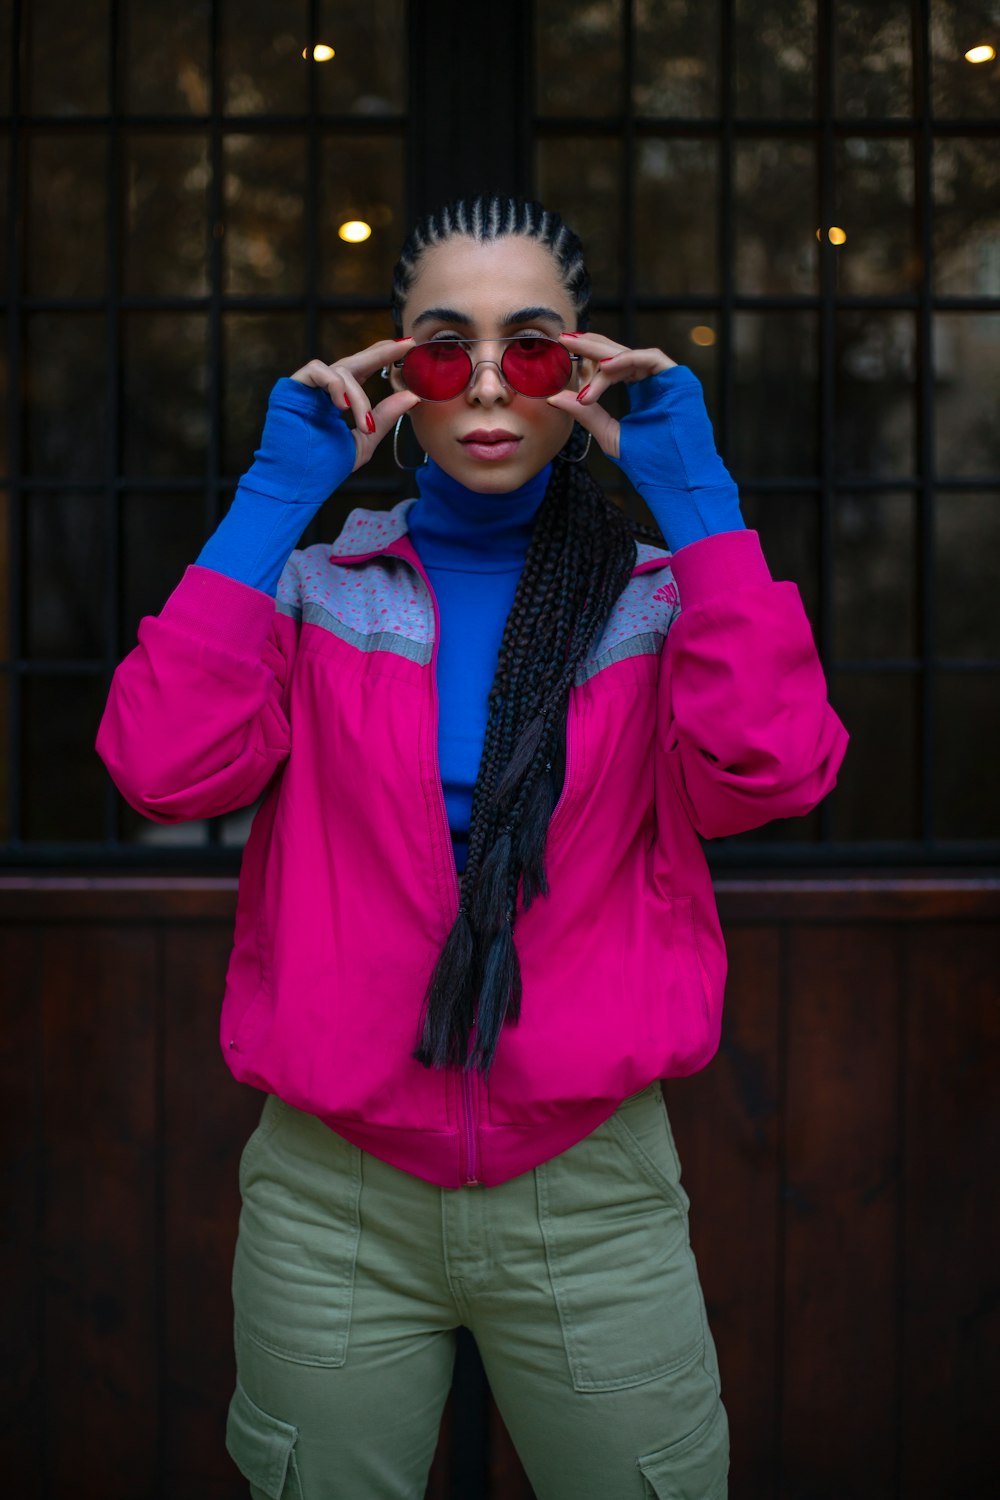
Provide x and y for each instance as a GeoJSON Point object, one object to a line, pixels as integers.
{"type": "Point", "coordinates": [581, 557]}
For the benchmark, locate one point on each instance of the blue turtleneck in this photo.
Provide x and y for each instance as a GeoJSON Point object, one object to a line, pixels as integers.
{"type": "Point", "coordinates": [473, 548]}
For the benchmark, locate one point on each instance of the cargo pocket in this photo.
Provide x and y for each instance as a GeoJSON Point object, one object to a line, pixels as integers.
{"type": "Point", "coordinates": [263, 1449]}
{"type": "Point", "coordinates": [695, 1468]}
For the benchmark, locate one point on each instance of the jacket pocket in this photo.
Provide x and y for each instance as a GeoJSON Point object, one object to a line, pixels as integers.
{"type": "Point", "coordinates": [623, 1274]}
{"type": "Point", "coordinates": [263, 1449]}
{"type": "Point", "coordinates": [300, 1225]}
{"type": "Point", "coordinates": [695, 1468]}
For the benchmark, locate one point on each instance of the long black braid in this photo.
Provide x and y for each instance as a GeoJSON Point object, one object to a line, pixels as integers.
{"type": "Point", "coordinates": [580, 559]}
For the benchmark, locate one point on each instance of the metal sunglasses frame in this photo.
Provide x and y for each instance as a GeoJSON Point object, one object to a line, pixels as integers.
{"type": "Point", "coordinates": [574, 359]}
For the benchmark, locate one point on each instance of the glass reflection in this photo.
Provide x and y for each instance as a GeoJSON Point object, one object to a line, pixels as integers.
{"type": "Point", "coordinates": [873, 188]}
{"type": "Point", "coordinates": [583, 175]}
{"type": "Point", "coordinates": [362, 178]}
{"type": "Point", "coordinates": [166, 58]}
{"type": "Point", "coordinates": [960, 88]}
{"type": "Point", "coordinates": [676, 58]}
{"type": "Point", "coordinates": [775, 217]}
{"type": "Point", "coordinates": [874, 59]}
{"type": "Point", "coordinates": [881, 713]}
{"type": "Point", "coordinates": [966, 734]}
{"type": "Point", "coordinates": [966, 547]}
{"type": "Point", "coordinates": [966, 348]}
{"type": "Point", "coordinates": [264, 188]}
{"type": "Point", "coordinates": [65, 423]}
{"type": "Point", "coordinates": [257, 349]}
{"type": "Point", "coordinates": [66, 46]}
{"type": "Point", "coordinates": [166, 212]}
{"type": "Point", "coordinates": [966, 178]}
{"type": "Point", "coordinates": [66, 209]}
{"type": "Point", "coordinates": [775, 412]}
{"type": "Point", "coordinates": [165, 382]}
{"type": "Point", "coordinates": [260, 57]}
{"type": "Point", "coordinates": [875, 568]}
{"type": "Point", "coordinates": [874, 395]}
{"type": "Point", "coordinates": [65, 571]}
{"type": "Point", "coordinates": [368, 74]}
{"type": "Point", "coordinates": [676, 186]}
{"type": "Point", "coordinates": [574, 40]}
{"type": "Point", "coordinates": [774, 58]}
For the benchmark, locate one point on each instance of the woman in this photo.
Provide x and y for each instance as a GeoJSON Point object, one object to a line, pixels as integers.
{"type": "Point", "coordinates": [475, 926]}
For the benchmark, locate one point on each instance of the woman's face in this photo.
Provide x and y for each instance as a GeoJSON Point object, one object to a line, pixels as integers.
{"type": "Point", "coordinates": [489, 291]}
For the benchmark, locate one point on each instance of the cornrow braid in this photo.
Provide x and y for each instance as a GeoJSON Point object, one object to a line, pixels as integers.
{"type": "Point", "coordinates": [581, 557]}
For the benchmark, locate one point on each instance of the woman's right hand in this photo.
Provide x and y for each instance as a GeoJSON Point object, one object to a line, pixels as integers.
{"type": "Point", "coordinates": [343, 383]}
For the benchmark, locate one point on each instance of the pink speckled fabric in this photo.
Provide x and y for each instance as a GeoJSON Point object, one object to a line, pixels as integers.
{"type": "Point", "coordinates": [702, 711]}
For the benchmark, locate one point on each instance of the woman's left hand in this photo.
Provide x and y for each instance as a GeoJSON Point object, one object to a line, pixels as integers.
{"type": "Point", "coordinates": [615, 362]}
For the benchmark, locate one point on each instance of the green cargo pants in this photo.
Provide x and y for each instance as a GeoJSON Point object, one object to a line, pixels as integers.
{"type": "Point", "coordinates": [576, 1280]}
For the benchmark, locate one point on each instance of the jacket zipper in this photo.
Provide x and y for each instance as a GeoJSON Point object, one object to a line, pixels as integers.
{"type": "Point", "coordinates": [468, 1085]}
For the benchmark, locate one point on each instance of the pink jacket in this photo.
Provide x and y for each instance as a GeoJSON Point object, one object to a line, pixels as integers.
{"type": "Point", "coordinates": [701, 711]}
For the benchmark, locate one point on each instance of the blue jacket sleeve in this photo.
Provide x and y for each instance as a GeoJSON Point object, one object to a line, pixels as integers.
{"type": "Point", "coordinates": [306, 452]}
{"type": "Point", "coordinates": [668, 452]}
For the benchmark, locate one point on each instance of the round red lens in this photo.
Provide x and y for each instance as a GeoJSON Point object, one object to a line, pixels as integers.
{"type": "Point", "coordinates": [537, 367]}
{"type": "Point", "coordinates": [437, 372]}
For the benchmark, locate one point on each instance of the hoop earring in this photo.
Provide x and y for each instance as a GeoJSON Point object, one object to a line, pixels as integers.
{"type": "Point", "coordinates": [395, 449]}
{"type": "Point", "coordinates": [586, 449]}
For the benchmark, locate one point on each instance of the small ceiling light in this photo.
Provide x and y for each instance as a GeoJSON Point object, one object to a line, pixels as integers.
{"type": "Point", "coordinates": [702, 335]}
{"type": "Point", "coordinates": [985, 53]}
{"type": "Point", "coordinates": [836, 236]}
{"type": "Point", "coordinates": [354, 231]}
{"type": "Point", "coordinates": [321, 52]}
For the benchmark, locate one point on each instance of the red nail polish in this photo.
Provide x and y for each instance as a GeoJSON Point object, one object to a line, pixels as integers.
{"type": "Point", "coordinates": [402, 340]}
{"type": "Point", "coordinates": [370, 420]}
{"type": "Point", "coordinates": [606, 358]}
{"type": "Point", "coordinates": [583, 393]}
{"type": "Point", "coordinates": [347, 400]}
{"type": "Point", "coordinates": [571, 335]}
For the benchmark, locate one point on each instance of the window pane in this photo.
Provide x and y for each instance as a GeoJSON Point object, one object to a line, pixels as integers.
{"type": "Point", "coordinates": [166, 58]}
{"type": "Point", "coordinates": [873, 206]}
{"type": "Point", "coordinates": [64, 781]}
{"type": "Point", "coordinates": [967, 545]}
{"type": "Point", "coordinates": [776, 211]}
{"type": "Point", "coordinates": [775, 417]}
{"type": "Point", "coordinates": [961, 88]}
{"type": "Point", "coordinates": [165, 251]}
{"type": "Point", "coordinates": [265, 186]}
{"type": "Point", "coordinates": [577, 41]}
{"type": "Point", "coordinates": [874, 575]}
{"type": "Point", "coordinates": [874, 58]}
{"type": "Point", "coordinates": [5, 573]}
{"type": "Point", "coordinates": [583, 177]}
{"type": "Point", "coordinates": [966, 218]}
{"type": "Point", "coordinates": [4, 444]}
{"type": "Point", "coordinates": [788, 526]}
{"type": "Point", "coordinates": [880, 713]}
{"type": "Point", "coordinates": [774, 47]}
{"type": "Point", "coordinates": [164, 405]}
{"type": "Point", "coordinates": [362, 179]}
{"type": "Point", "coordinates": [676, 231]}
{"type": "Point", "coordinates": [65, 428]}
{"type": "Point", "coordinates": [874, 429]}
{"type": "Point", "coordinates": [66, 209]}
{"type": "Point", "coordinates": [161, 534]}
{"type": "Point", "coordinates": [967, 393]}
{"type": "Point", "coordinates": [65, 575]}
{"type": "Point", "coordinates": [368, 74]}
{"type": "Point", "coordinates": [676, 58]}
{"type": "Point", "coordinates": [6, 19]}
{"type": "Point", "coordinates": [967, 731]}
{"type": "Point", "coordinates": [5, 741]}
{"type": "Point", "coordinates": [261, 65]}
{"type": "Point", "coordinates": [688, 338]}
{"type": "Point", "coordinates": [4, 186]}
{"type": "Point", "coordinates": [67, 51]}
{"type": "Point", "coordinates": [258, 348]}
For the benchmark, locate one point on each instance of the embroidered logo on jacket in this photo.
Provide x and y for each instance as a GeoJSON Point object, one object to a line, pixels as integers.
{"type": "Point", "coordinates": [668, 593]}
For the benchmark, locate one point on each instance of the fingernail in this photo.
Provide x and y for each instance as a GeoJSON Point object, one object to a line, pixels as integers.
{"type": "Point", "coordinates": [403, 339]}
{"type": "Point", "coordinates": [583, 393]}
{"type": "Point", "coordinates": [347, 400]}
{"type": "Point", "coordinates": [606, 358]}
{"type": "Point", "coordinates": [370, 420]}
{"type": "Point", "coordinates": [568, 335]}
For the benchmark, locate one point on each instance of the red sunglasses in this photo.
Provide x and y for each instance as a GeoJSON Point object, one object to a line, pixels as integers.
{"type": "Point", "coordinates": [443, 369]}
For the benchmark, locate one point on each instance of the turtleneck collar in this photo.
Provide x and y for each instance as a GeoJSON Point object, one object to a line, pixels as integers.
{"type": "Point", "coordinates": [451, 526]}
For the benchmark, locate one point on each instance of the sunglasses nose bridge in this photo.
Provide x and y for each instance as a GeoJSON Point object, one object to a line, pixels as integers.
{"type": "Point", "coordinates": [478, 364]}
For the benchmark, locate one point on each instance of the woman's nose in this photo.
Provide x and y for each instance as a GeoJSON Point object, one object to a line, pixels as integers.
{"type": "Point", "coordinates": [487, 383]}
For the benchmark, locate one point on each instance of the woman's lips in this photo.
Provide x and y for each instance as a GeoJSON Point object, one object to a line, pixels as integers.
{"type": "Point", "coordinates": [494, 443]}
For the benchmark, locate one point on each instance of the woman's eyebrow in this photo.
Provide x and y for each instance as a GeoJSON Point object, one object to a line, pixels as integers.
{"type": "Point", "coordinates": [523, 315]}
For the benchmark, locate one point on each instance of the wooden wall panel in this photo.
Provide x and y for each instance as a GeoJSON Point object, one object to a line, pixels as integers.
{"type": "Point", "coordinates": [839, 1153]}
